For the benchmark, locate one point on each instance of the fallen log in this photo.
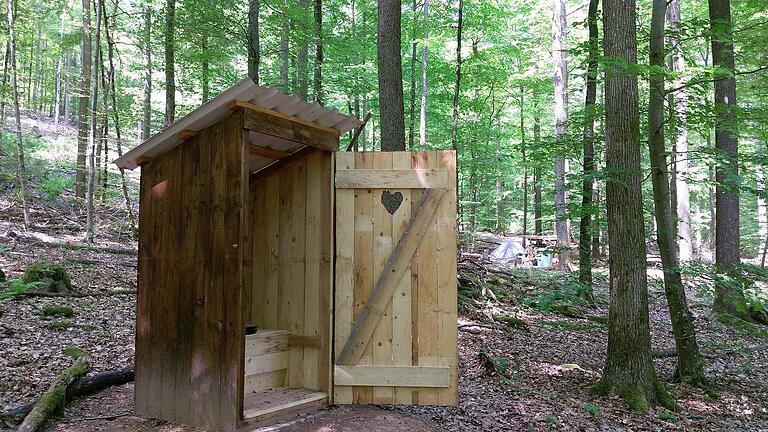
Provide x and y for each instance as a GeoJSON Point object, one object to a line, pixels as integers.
{"type": "Point", "coordinates": [85, 386]}
{"type": "Point", "coordinates": [56, 395]}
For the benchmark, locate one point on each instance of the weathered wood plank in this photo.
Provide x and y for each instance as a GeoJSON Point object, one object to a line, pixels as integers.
{"type": "Point", "coordinates": [325, 325]}
{"type": "Point", "coordinates": [270, 124]}
{"type": "Point", "coordinates": [267, 152]}
{"type": "Point", "coordinates": [264, 381]}
{"type": "Point", "coordinates": [256, 108]}
{"type": "Point", "coordinates": [392, 178]}
{"type": "Point", "coordinates": [298, 256]}
{"type": "Point", "coordinates": [392, 376]}
{"type": "Point", "coordinates": [312, 226]}
{"type": "Point", "coordinates": [364, 276]}
{"type": "Point", "coordinates": [344, 270]}
{"type": "Point", "coordinates": [266, 362]}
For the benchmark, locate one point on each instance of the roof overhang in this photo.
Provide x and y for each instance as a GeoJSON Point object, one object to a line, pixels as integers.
{"type": "Point", "coordinates": [244, 94]}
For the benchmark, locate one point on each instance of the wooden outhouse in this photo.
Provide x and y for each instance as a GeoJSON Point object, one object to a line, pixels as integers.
{"type": "Point", "coordinates": [277, 273]}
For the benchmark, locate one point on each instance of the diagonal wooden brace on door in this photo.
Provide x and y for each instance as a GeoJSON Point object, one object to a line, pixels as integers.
{"type": "Point", "coordinates": [393, 271]}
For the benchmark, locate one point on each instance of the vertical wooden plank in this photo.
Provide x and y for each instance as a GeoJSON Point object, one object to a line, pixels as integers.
{"type": "Point", "coordinates": [345, 270]}
{"type": "Point", "coordinates": [259, 251]}
{"type": "Point", "coordinates": [271, 210]}
{"type": "Point", "coordinates": [381, 341]}
{"type": "Point", "coordinates": [418, 161]}
{"type": "Point", "coordinates": [427, 306]}
{"type": "Point", "coordinates": [232, 356]}
{"type": "Point", "coordinates": [313, 235]}
{"type": "Point", "coordinates": [144, 299]}
{"type": "Point", "coordinates": [298, 256]}
{"type": "Point", "coordinates": [199, 390]}
{"type": "Point", "coordinates": [446, 278]}
{"type": "Point", "coordinates": [285, 281]}
{"type": "Point", "coordinates": [326, 275]}
{"type": "Point", "coordinates": [401, 300]}
{"type": "Point", "coordinates": [364, 277]}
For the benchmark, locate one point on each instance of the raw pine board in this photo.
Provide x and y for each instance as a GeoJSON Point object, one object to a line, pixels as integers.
{"type": "Point", "coordinates": [418, 327]}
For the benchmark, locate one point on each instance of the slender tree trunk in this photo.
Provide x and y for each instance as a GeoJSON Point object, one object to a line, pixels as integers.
{"type": "Point", "coordinates": [423, 110]}
{"type": "Point", "coordinates": [318, 75]}
{"type": "Point", "coordinates": [537, 229]}
{"type": "Point", "coordinates": [116, 116]}
{"type": "Point", "coordinates": [457, 86]}
{"type": "Point", "coordinates": [685, 245]}
{"type": "Point", "coordinates": [560, 78]}
{"type": "Point", "coordinates": [254, 49]}
{"type": "Point", "coordinates": [762, 214]}
{"type": "Point", "coordinates": [523, 147]}
{"type": "Point", "coordinates": [629, 371]}
{"type": "Point", "coordinates": [6, 59]}
{"type": "Point", "coordinates": [585, 229]}
{"type": "Point", "coordinates": [412, 110]}
{"type": "Point", "coordinates": [170, 63]}
{"type": "Point", "coordinates": [59, 66]}
{"type": "Point", "coordinates": [38, 54]}
{"type": "Point", "coordinates": [729, 292]}
{"type": "Point", "coordinates": [390, 77]}
{"type": "Point", "coordinates": [85, 91]}
{"type": "Point", "coordinates": [596, 222]}
{"type": "Point", "coordinates": [67, 71]}
{"type": "Point", "coordinates": [205, 78]}
{"type": "Point", "coordinates": [690, 367]}
{"type": "Point", "coordinates": [93, 135]}
{"type": "Point", "coordinates": [284, 61]}
{"type": "Point", "coordinates": [301, 58]}
{"type": "Point", "coordinates": [21, 170]}
{"type": "Point", "coordinates": [147, 107]}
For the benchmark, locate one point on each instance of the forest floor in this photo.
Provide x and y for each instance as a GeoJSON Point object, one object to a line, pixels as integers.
{"type": "Point", "coordinates": [531, 375]}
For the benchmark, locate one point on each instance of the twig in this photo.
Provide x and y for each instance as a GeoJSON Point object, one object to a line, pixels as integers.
{"type": "Point", "coordinates": [358, 131]}
{"type": "Point", "coordinates": [106, 417]}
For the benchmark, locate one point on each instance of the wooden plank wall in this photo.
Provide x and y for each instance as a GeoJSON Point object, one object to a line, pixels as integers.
{"type": "Point", "coordinates": [418, 327]}
{"type": "Point", "coordinates": [189, 342]}
{"type": "Point", "coordinates": [291, 263]}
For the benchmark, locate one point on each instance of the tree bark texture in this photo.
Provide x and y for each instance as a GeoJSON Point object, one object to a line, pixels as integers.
{"type": "Point", "coordinates": [94, 136]}
{"type": "Point", "coordinates": [170, 63]}
{"type": "Point", "coordinates": [21, 171]}
{"type": "Point", "coordinates": [537, 228]}
{"type": "Point", "coordinates": [317, 82]}
{"type": "Point", "coordinates": [254, 49]}
{"type": "Point", "coordinates": [729, 292]}
{"type": "Point", "coordinates": [392, 121]}
{"type": "Point", "coordinates": [423, 110]}
{"type": "Point", "coordinates": [412, 102]}
{"type": "Point", "coordinates": [629, 371]}
{"type": "Point", "coordinates": [85, 91]}
{"type": "Point", "coordinates": [560, 78]}
{"type": "Point", "coordinates": [147, 108]}
{"type": "Point", "coordinates": [457, 86]}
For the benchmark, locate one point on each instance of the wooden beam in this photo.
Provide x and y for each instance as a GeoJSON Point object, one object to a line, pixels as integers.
{"type": "Point", "coordinates": [291, 128]}
{"type": "Point", "coordinates": [282, 164]}
{"type": "Point", "coordinates": [390, 276]}
{"type": "Point", "coordinates": [187, 134]}
{"type": "Point", "coordinates": [237, 103]}
{"type": "Point", "coordinates": [142, 160]}
{"type": "Point", "coordinates": [359, 129]}
{"type": "Point", "coordinates": [391, 179]}
{"type": "Point", "coordinates": [392, 376]}
{"type": "Point", "coordinates": [267, 152]}
{"type": "Point", "coordinates": [305, 341]}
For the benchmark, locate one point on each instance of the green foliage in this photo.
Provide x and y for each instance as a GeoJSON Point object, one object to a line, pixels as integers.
{"type": "Point", "coordinates": [55, 185]}
{"type": "Point", "coordinates": [511, 321]}
{"type": "Point", "coordinates": [592, 409]}
{"type": "Point", "coordinates": [48, 276]}
{"type": "Point", "coordinates": [58, 311]}
{"type": "Point", "coordinates": [75, 352]}
{"type": "Point", "coordinates": [552, 420]}
{"type": "Point", "coordinates": [743, 326]}
{"type": "Point", "coordinates": [667, 416]}
{"type": "Point", "coordinates": [496, 366]}
{"type": "Point", "coordinates": [60, 325]}
{"type": "Point", "coordinates": [17, 288]}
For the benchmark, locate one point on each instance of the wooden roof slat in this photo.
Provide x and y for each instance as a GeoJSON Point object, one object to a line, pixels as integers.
{"type": "Point", "coordinates": [267, 152]}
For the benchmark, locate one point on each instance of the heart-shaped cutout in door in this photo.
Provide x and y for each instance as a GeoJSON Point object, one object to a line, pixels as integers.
{"type": "Point", "coordinates": [391, 201]}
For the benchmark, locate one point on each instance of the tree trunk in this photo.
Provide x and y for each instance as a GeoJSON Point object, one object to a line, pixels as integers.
{"type": "Point", "coordinates": [390, 77]}
{"type": "Point", "coordinates": [21, 171]}
{"type": "Point", "coordinates": [6, 59]}
{"type": "Point", "coordinates": [685, 245]}
{"type": "Point", "coordinates": [85, 91]}
{"type": "Point", "coordinates": [457, 86]}
{"type": "Point", "coordinates": [629, 371]}
{"type": "Point", "coordinates": [254, 49]}
{"type": "Point", "coordinates": [93, 136]}
{"type": "Point", "coordinates": [205, 78]}
{"type": "Point", "coordinates": [412, 110]}
{"type": "Point", "coordinates": [116, 116]}
{"type": "Point", "coordinates": [537, 229]}
{"type": "Point", "coordinates": [67, 70]}
{"type": "Point", "coordinates": [560, 78]}
{"type": "Point", "coordinates": [36, 81]}
{"type": "Point", "coordinates": [59, 66]}
{"type": "Point", "coordinates": [423, 110]}
{"type": "Point", "coordinates": [170, 63]}
{"type": "Point", "coordinates": [524, 152]}
{"type": "Point", "coordinates": [301, 58]}
{"type": "Point", "coordinates": [762, 214]}
{"type": "Point", "coordinates": [689, 363]}
{"type": "Point", "coordinates": [284, 62]}
{"type": "Point", "coordinates": [317, 82]}
{"type": "Point", "coordinates": [585, 229]}
{"type": "Point", "coordinates": [729, 292]}
{"type": "Point", "coordinates": [147, 108]}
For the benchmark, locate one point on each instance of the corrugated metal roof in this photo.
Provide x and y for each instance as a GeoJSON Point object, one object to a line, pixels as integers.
{"type": "Point", "coordinates": [218, 107]}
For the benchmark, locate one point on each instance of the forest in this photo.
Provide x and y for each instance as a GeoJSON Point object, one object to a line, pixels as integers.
{"type": "Point", "coordinates": [619, 146]}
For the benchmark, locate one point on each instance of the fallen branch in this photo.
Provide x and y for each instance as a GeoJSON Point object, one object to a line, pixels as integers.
{"type": "Point", "coordinates": [106, 417]}
{"type": "Point", "coordinates": [56, 395]}
{"type": "Point", "coordinates": [85, 386]}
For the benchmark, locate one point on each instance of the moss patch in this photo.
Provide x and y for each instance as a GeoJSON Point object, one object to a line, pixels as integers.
{"type": "Point", "coordinates": [58, 311]}
{"type": "Point", "coordinates": [48, 277]}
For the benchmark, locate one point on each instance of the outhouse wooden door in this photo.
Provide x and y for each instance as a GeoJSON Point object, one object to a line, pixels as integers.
{"type": "Point", "coordinates": [395, 289]}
